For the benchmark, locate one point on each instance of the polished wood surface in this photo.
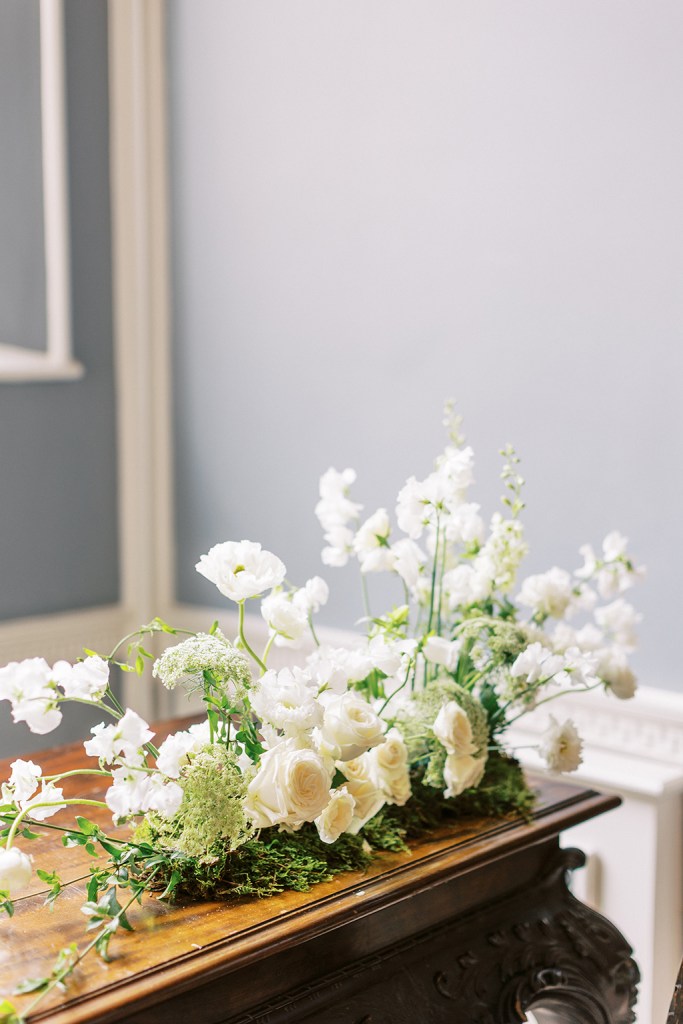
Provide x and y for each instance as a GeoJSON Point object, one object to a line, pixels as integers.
{"type": "Point", "coordinates": [279, 959]}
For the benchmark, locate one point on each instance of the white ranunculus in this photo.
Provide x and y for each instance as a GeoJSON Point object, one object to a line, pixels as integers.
{"type": "Point", "coordinates": [285, 618]}
{"type": "Point", "coordinates": [350, 724]}
{"type": "Point", "coordinates": [452, 728]}
{"type": "Point", "coordinates": [86, 680]}
{"type": "Point", "coordinates": [286, 700]}
{"type": "Point", "coordinates": [389, 766]}
{"type": "Point", "coordinates": [561, 746]}
{"type": "Point", "coordinates": [548, 593]}
{"type": "Point", "coordinates": [441, 651]}
{"type": "Point", "coordinates": [241, 569]}
{"type": "Point", "coordinates": [461, 773]}
{"type": "Point", "coordinates": [15, 869]}
{"type": "Point", "coordinates": [337, 816]}
{"type": "Point", "coordinates": [292, 785]}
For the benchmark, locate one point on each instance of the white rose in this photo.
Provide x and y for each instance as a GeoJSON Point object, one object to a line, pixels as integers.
{"type": "Point", "coordinates": [389, 765]}
{"type": "Point", "coordinates": [369, 799]}
{"type": "Point", "coordinates": [15, 869]}
{"type": "Point", "coordinates": [241, 569]}
{"type": "Point", "coordinates": [461, 773]}
{"type": "Point", "coordinates": [561, 746]}
{"type": "Point", "coordinates": [292, 785]}
{"type": "Point", "coordinates": [337, 816]}
{"type": "Point", "coordinates": [351, 724]}
{"type": "Point", "coordinates": [452, 728]}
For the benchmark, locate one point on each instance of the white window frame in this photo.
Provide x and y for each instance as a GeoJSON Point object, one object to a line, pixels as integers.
{"type": "Point", "coordinates": [56, 361]}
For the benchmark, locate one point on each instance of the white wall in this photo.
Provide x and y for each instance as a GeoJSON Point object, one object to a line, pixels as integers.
{"type": "Point", "coordinates": [381, 203]}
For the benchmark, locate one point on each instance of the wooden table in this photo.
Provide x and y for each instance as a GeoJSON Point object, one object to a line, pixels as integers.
{"type": "Point", "coordinates": [472, 926]}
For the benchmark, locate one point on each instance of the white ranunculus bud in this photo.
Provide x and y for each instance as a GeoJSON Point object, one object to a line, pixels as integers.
{"type": "Point", "coordinates": [453, 729]}
{"type": "Point", "coordinates": [15, 869]}
{"type": "Point", "coordinates": [461, 773]}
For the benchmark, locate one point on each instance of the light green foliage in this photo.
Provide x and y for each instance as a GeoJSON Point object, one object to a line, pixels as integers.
{"type": "Point", "coordinates": [416, 720]}
{"type": "Point", "coordinates": [211, 818]}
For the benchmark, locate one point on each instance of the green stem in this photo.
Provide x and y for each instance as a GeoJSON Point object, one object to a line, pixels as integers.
{"type": "Point", "coordinates": [434, 569]}
{"type": "Point", "coordinates": [76, 771]}
{"type": "Point", "coordinates": [51, 803]}
{"type": "Point", "coordinates": [313, 632]}
{"type": "Point", "coordinates": [246, 646]}
{"type": "Point", "coordinates": [266, 651]}
{"type": "Point", "coordinates": [366, 596]}
{"type": "Point", "coordinates": [553, 696]}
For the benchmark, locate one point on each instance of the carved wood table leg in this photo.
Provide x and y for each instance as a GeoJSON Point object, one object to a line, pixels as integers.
{"type": "Point", "coordinates": [542, 951]}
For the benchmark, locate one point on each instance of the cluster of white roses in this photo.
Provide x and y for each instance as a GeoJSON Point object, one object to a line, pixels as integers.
{"type": "Point", "coordinates": [335, 738]}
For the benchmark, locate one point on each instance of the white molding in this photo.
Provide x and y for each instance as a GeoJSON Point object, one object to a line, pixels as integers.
{"type": "Point", "coordinates": [141, 310]}
{"type": "Point", "coordinates": [62, 635]}
{"type": "Point", "coordinates": [55, 362]}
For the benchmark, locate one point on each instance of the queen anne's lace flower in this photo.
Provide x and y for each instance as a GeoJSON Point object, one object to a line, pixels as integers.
{"type": "Point", "coordinates": [185, 663]}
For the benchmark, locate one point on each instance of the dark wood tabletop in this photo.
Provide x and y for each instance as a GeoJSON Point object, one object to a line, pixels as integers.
{"type": "Point", "coordinates": [216, 961]}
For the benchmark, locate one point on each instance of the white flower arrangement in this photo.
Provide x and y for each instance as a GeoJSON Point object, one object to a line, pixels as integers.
{"type": "Point", "coordinates": [337, 749]}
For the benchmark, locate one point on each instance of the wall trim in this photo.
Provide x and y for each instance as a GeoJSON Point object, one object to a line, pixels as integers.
{"type": "Point", "coordinates": [55, 362]}
{"type": "Point", "coordinates": [141, 311]}
{"type": "Point", "coordinates": [62, 635]}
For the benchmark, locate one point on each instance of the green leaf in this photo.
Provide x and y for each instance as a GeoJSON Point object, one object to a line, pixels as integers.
{"type": "Point", "coordinates": [89, 653]}
{"type": "Point", "coordinates": [8, 1013]}
{"type": "Point", "coordinates": [87, 827]}
{"type": "Point", "coordinates": [139, 664]}
{"type": "Point", "coordinates": [214, 627]}
{"type": "Point", "coordinates": [6, 905]}
{"type": "Point", "coordinates": [28, 834]}
{"type": "Point", "coordinates": [30, 985]}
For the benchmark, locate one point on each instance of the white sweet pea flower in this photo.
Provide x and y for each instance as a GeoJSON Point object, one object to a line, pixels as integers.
{"type": "Point", "coordinates": [22, 783]}
{"type": "Point", "coordinates": [386, 656]}
{"type": "Point", "coordinates": [465, 585]}
{"type": "Point", "coordinates": [548, 593]}
{"type": "Point", "coordinates": [453, 730]}
{"type": "Point", "coordinates": [619, 620]}
{"type": "Point", "coordinates": [334, 668]}
{"type": "Point", "coordinates": [441, 651]}
{"type": "Point", "coordinates": [613, 667]}
{"type": "Point", "coordinates": [15, 869]}
{"type": "Point", "coordinates": [462, 772]}
{"type": "Point", "coordinates": [335, 508]}
{"type": "Point", "coordinates": [350, 725]}
{"type": "Point", "coordinates": [339, 546]}
{"type": "Point", "coordinates": [371, 543]}
{"type": "Point", "coordinates": [337, 816]}
{"type": "Point", "coordinates": [286, 619]}
{"type": "Point", "coordinates": [580, 668]}
{"type": "Point", "coordinates": [409, 561]}
{"type": "Point", "coordinates": [121, 740]}
{"type": "Point", "coordinates": [175, 750]}
{"type": "Point", "coordinates": [29, 687]}
{"type": "Point", "coordinates": [241, 569]}
{"type": "Point", "coordinates": [49, 794]}
{"type": "Point", "coordinates": [464, 525]}
{"type": "Point", "coordinates": [86, 680]}
{"type": "Point", "coordinates": [312, 596]}
{"type": "Point", "coordinates": [561, 746]}
{"type": "Point", "coordinates": [537, 663]}
{"type": "Point", "coordinates": [411, 508]}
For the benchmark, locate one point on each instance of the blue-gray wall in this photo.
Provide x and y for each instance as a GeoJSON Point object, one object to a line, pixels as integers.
{"type": "Point", "coordinates": [58, 503]}
{"type": "Point", "coordinates": [377, 205]}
